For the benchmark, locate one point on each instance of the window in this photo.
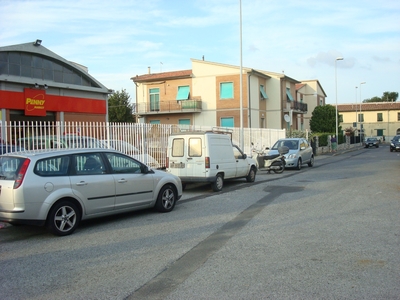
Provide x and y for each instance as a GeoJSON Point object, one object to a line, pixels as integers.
{"type": "Point", "coordinates": [177, 147]}
{"type": "Point", "coordinates": [361, 118]}
{"type": "Point", "coordinates": [184, 121]}
{"type": "Point", "coordinates": [195, 147]}
{"type": "Point", "coordinates": [289, 95]}
{"type": "Point", "coordinates": [340, 118]}
{"type": "Point", "coordinates": [263, 93]}
{"type": "Point", "coordinates": [237, 153]}
{"type": "Point", "coordinates": [53, 166]}
{"type": "Point", "coordinates": [121, 164]}
{"type": "Point", "coordinates": [226, 90]}
{"type": "Point", "coordinates": [379, 117]}
{"type": "Point", "coordinates": [34, 66]}
{"type": "Point", "coordinates": [154, 99]}
{"type": "Point", "coordinates": [89, 164]}
{"type": "Point", "coordinates": [227, 122]}
{"type": "Point", "coordinates": [155, 122]}
{"type": "Point", "coordinates": [183, 92]}
{"type": "Point", "coordinates": [398, 116]}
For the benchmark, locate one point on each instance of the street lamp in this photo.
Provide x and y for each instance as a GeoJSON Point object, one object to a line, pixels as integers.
{"type": "Point", "coordinates": [361, 118]}
{"type": "Point", "coordinates": [356, 112]}
{"type": "Point", "coordinates": [338, 58]}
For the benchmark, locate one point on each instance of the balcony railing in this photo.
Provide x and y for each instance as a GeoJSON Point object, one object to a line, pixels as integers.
{"type": "Point", "coordinates": [299, 106]}
{"type": "Point", "coordinates": [172, 106]}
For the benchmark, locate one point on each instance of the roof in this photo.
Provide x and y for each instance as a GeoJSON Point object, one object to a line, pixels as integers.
{"type": "Point", "coordinates": [371, 106]}
{"type": "Point", "coordinates": [44, 52]}
{"type": "Point", "coordinates": [163, 76]}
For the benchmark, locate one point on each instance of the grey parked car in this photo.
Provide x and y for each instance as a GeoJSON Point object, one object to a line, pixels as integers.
{"type": "Point", "coordinates": [300, 152]}
{"type": "Point", "coordinates": [59, 188]}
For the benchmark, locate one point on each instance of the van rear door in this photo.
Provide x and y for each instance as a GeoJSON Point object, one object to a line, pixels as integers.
{"type": "Point", "coordinates": [195, 157]}
{"type": "Point", "coordinates": [177, 156]}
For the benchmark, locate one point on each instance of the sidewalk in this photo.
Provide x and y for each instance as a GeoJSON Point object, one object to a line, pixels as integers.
{"type": "Point", "coordinates": [341, 151]}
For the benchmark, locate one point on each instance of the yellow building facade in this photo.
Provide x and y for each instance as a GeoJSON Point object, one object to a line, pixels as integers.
{"type": "Point", "coordinates": [381, 119]}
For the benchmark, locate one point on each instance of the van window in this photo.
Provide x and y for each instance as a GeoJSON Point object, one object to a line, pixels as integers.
{"type": "Point", "coordinates": [195, 147]}
{"type": "Point", "coordinates": [177, 147]}
{"type": "Point", "coordinates": [237, 153]}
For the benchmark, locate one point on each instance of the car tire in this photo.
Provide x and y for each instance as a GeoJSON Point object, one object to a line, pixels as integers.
{"type": "Point", "coordinates": [391, 150]}
{"type": "Point", "coordinates": [63, 218]}
{"type": "Point", "coordinates": [311, 163]}
{"type": "Point", "coordinates": [166, 199]}
{"type": "Point", "coordinates": [299, 162]}
{"type": "Point", "coordinates": [218, 183]}
{"type": "Point", "coordinates": [251, 177]}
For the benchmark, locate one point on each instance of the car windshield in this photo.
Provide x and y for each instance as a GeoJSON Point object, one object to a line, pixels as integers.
{"type": "Point", "coordinates": [291, 144]}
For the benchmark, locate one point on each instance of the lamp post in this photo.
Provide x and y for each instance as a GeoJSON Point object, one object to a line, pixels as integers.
{"type": "Point", "coordinates": [241, 79]}
{"type": "Point", "coordinates": [338, 58]}
{"type": "Point", "coordinates": [356, 111]}
{"type": "Point", "coordinates": [361, 118]}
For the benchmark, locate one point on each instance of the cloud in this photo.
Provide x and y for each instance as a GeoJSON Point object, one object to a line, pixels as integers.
{"type": "Point", "coordinates": [329, 58]}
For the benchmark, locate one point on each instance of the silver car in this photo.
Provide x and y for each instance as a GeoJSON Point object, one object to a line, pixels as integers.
{"type": "Point", "coordinates": [59, 188]}
{"type": "Point", "coordinates": [300, 152]}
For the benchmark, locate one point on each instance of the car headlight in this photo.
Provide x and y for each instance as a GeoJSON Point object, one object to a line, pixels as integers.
{"type": "Point", "coordinates": [392, 144]}
{"type": "Point", "coordinates": [290, 156]}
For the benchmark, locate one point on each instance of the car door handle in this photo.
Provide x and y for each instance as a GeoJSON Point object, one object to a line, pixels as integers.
{"type": "Point", "coordinates": [82, 183]}
{"type": "Point", "coordinates": [122, 180]}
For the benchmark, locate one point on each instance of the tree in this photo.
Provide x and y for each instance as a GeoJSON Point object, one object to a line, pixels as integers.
{"type": "Point", "coordinates": [386, 97]}
{"type": "Point", "coordinates": [323, 119]}
{"type": "Point", "coordinates": [119, 107]}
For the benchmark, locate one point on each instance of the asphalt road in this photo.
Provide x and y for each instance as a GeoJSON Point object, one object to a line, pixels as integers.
{"type": "Point", "coordinates": [326, 232]}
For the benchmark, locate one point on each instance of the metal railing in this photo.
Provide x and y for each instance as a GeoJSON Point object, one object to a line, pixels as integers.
{"type": "Point", "coordinates": [146, 142]}
{"type": "Point", "coordinates": [169, 106]}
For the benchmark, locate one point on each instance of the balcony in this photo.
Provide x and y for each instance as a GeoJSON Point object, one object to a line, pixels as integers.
{"type": "Point", "coordinates": [167, 107]}
{"type": "Point", "coordinates": [299, 107]}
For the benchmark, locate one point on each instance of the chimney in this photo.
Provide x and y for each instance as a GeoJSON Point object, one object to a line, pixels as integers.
{"type": "Point", "coordinates": [149, 70]}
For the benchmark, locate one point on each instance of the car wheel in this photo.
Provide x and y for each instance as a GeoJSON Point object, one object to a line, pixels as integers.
{"type": "Point", "coordinates": [251, 177]}
{"type": "Point", "coordinates": [63, 218]}
{"type": "Point", "coordinates": [299, 162]}
{"type": "Point", "coordinates": [311, 163]}
{"type": "Point", "coordinates": [391, 150]}
{"type": "Point", "coordinates": [166, 199]}
{"type": "Point", "coordinates": [218, 183]}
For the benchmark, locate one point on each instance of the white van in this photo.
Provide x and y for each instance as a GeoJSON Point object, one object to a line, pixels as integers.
{"type": "Point", "coordinates": [207, 157]}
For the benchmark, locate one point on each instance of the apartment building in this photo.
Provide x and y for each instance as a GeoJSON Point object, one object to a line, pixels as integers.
{"type": "Point", "coordinates": [376, 119]}
{"type": "Point", "coordinates": [209, 94]}
{"type": "Point", "coordinates": [312, 93]}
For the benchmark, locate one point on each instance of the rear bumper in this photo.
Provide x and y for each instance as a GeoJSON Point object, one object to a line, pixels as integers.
{"type": "Point", "coordinates": [16, 221]}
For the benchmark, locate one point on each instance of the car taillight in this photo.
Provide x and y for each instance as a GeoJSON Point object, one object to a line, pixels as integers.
{"type": "Point", "coordinates": [167, 162]}
{"type": "Point", "coordinates": [21, 174]}
{"type": "Point", "coordinates": [207, 162]}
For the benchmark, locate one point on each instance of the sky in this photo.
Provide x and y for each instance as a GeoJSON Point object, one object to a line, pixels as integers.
{"type": "Point", "coordinates": [117, 40]}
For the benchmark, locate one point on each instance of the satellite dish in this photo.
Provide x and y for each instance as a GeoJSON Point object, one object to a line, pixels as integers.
{"type": "Point", "coordinates": [287, 118]}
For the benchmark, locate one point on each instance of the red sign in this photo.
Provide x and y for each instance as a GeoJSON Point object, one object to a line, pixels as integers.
{"type": "Point", "coordinates": [35, 102]}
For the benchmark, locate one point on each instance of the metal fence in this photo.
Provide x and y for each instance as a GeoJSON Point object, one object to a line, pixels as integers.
{"type": "Point", "coordinates": [146, 142]}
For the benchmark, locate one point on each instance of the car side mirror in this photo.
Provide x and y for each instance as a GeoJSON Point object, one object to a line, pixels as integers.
{"type": "Point", "coordinates": [244, 156]}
